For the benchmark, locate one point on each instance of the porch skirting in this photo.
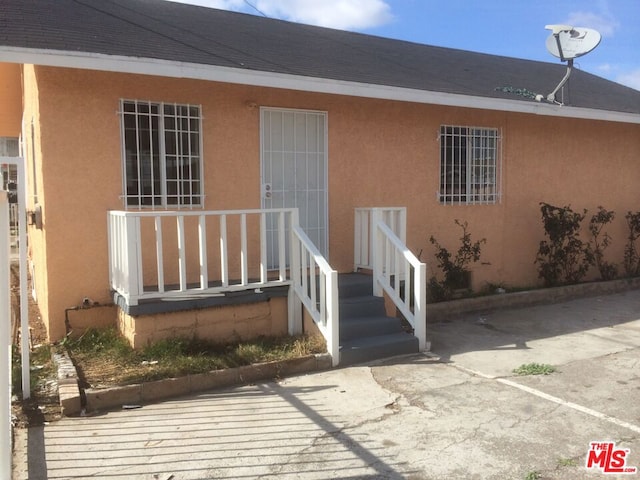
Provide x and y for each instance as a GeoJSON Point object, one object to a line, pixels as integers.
{"type": "Point", "coordinates": [221, 319]}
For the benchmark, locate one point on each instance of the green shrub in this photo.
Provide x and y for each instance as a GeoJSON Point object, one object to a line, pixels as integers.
{"type": "Point", "coordinates": [631, 256]}
{"type": "Point", "coordinates": [564, 258]}
{"type": "Point", "coordinates": [455, 268]}
{"type": "Point", "coordinates": [600, 241]}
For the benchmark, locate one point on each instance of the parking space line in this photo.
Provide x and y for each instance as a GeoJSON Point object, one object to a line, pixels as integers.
{"type": "Point", "coordinates": [551, 398]}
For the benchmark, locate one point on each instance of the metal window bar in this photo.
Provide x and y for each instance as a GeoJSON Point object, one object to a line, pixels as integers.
{"type": "Point", "coordinates": [469, 165]}
{"type": "Point", "coordinates": [153, 159]}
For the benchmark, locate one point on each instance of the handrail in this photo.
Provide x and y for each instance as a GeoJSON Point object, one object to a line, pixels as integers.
{"type": "Point", "coordinates": [394, 217]}
{"type": "Point", "coordinates": [395, 266]}
{"type": "Point", "coordinates": [316, 285]}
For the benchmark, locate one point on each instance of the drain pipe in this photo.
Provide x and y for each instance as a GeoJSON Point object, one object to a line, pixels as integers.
{"type": "Point", "coordinates": [87, 304]}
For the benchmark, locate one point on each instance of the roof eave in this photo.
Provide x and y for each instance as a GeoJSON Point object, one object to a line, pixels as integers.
{"type": "Point", "coordinates": [166, 68]}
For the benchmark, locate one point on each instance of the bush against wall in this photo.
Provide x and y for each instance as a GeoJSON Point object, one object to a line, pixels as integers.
{"type": "Point", "coordinates": [564, 257]}
{"type": "Point", "coordinates": [631, 255]}
{"type": "Point", "coordinates": [455, 267]}
{"type": "Point", "coordinates": [600, 240]}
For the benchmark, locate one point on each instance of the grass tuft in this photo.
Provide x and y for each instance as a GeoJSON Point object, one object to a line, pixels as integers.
{"type": "Point", "coordinates": [567, 462]}
{"type": "Point", "coordinates": [534, 369]}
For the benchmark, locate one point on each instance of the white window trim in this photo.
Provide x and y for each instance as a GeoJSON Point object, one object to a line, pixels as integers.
{"type": "Point", "coordinates": [468, 198]}
{"type": "Point", "coordinates": [163, 181]}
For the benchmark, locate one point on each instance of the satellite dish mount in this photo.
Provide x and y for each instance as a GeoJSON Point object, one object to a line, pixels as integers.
{"type": "Point", "coordinates": [567, 43]}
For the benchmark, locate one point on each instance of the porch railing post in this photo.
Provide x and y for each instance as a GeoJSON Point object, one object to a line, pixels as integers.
{"type": "Point", "coordinates": [294, 306]}
{"type": "Point", "coordinates": [377, 251]}
{"type": "Point", "coordinates": [133, 261]}
{"type": "Point", "coordinates": [420, 307]}
{"type": "Point", "coordinates": [332, 319]}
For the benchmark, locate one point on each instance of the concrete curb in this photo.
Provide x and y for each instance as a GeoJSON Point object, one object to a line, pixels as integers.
{"type": "Point", "coordinates": [438, 312]}
{"type": "Point", "coordinates": [148, 392]}
{"type": "Point", "coordinates": [68, 387]}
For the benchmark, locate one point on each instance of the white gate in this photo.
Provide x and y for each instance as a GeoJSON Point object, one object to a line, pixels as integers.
{"type": "Point", "coordinates": [5, 339]}
{"type": "Point", "coordinates": [5, 313]}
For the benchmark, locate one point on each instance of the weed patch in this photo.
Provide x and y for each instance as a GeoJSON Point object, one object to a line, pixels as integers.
{"type": "Point", "coordinates": [103, 358]}
{"type": "Point", "coordinates": [567, 462]}
{"type": "Point", "coordinates": [534, 369]}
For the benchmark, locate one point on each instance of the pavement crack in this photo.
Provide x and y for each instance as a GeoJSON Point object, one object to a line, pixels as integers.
{"type": "Point", "coordinates": [277, 469]}
{"type": "Point", "coordinates": [471, 435]}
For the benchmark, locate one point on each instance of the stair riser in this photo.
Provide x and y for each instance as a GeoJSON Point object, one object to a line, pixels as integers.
{"type": "Point", "coordinates": [373, 307]}
{"type": "Point", "coordinates": [369, 327]}
{"type": "Point", "coordinates": [366, 354]}
{"type": "Point", "coordinates": [355, 286]}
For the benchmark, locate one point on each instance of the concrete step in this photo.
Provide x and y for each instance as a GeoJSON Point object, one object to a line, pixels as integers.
{"type": "Point", "coordinates": [366, 306]}
{"type": "Point", "coordinates": [366, 333]}
{"type": "Point", "coordinates": [354, 285]}
{"type": "Point", "coordinates": [361, 350]}
{"type": "Point", "coordinates": [373, 326]}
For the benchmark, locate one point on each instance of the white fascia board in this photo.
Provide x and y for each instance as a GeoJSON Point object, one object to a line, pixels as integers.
{"type": "Point", "coordinates": [165, 68]}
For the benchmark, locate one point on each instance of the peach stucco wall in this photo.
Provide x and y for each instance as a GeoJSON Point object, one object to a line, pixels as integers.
{"type": "Point", "coordinates": [33, 156]}
{"type": "Point", "coordinates": [10, 99]}
{"type": "Point", "coordinates": [381, 153]}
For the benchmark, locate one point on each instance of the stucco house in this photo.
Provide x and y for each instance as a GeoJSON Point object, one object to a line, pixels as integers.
{"type": "Point", "coordinates": [198, 171]}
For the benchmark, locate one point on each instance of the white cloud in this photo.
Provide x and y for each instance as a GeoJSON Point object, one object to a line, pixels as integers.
{"type": "Point", "coordinates": [604, 23]}
{"type": "Point", "coordinates": [630, 79]}
{"type": "Point", "coordinates": [222, 4]}
{"type": "Point", "coordinates": [605, 67]}
{"type": "Point", "coordinates": [341, 14]}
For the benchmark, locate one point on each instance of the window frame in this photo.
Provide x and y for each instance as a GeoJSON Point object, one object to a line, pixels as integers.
{"type": "Point", "coordinates": [157, 132]}
{"type": "Point", "coordinates": [471, 162]}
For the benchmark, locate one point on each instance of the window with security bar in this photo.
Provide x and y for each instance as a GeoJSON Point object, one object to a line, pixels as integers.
{"type": "Point", "coordinates": [162, 154]}
{"type": "Point", "coordinates": [469, 165]}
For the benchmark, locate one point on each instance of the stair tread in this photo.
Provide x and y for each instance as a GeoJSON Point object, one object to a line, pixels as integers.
{"type": "Point", "coordinates": [367, 349]}
{"type": "Point", "coordinates": [378, 340]}
{"type": "Point", "coordinates": [354, 285]}
{"type": "Point", "coordinates": [361, 299]}
{"type": "Point", "coordinates": [359, 318]}
{"type": "Point", "coordinates": [366, 332]}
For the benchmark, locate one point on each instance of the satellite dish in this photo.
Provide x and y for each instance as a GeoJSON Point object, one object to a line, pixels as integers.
{"type": "Point", "coordinates": [567, 42]}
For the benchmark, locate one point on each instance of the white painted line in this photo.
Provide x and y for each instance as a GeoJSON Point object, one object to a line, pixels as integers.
{"type": "Point", "coordinates": [575, 406]}
{"type": "Point", "coordinates": [551, 398]}
{"type": "Point", "coordinates": [470, 371]}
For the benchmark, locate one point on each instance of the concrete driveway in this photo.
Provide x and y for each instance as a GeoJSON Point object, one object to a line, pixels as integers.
{"type": "Point", "coordinates": [460, 414]}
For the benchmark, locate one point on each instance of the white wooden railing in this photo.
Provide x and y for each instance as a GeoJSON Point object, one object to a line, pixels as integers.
{"type": "Point", "coordinates": [135, 236]}
{"type": "Point", "coordinates": [380, 245]}
{"type": "Point", "coordinates": [316, 285]}
{"type": "Point", "coordinates": [394, 217]}
{"type": "Point", "coordinates": [136, 239]}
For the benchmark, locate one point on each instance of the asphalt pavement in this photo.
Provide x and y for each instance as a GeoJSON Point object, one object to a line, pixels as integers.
{"type": "Point", "coordinates": [457, 413]}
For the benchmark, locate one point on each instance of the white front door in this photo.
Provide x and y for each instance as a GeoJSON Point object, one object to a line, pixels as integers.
{"type": "Point", "coordinates": [294, 169]}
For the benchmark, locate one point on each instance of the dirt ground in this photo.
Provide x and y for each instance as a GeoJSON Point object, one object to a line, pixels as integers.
{"type": "Point", "coordinates": [44, 404]}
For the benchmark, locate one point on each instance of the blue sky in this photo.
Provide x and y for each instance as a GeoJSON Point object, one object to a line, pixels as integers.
{"type": "Point", "coordinates": [512, 28]}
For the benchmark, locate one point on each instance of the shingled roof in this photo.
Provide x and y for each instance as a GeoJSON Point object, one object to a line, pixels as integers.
{"type": "Point", "coordinates": [139, 30]}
